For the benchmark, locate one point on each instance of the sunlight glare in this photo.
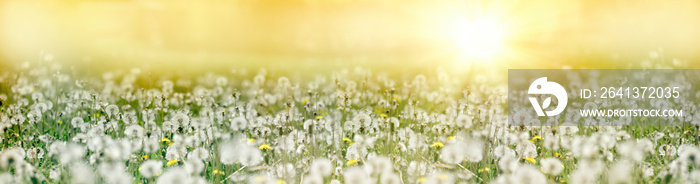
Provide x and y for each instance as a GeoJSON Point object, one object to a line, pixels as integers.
{"type": "Point", "coordinates": [481, 39]}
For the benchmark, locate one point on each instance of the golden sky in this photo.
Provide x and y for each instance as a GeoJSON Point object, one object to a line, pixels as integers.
{"type": "Point", "coordinates": [550, 33]}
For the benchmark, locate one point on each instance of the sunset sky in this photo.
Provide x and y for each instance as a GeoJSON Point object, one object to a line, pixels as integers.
{"type": "Point", "coordinates": [415, 33]}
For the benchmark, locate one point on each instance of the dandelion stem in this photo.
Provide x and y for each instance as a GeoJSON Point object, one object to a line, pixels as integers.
{"type": "Point", "coordinates": [229, 176]}
{"type": "Point", "coordinates": [470, 172]}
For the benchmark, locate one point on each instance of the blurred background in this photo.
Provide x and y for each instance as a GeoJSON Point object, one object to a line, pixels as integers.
{"type": "Point", "coordinates": [311, 36]}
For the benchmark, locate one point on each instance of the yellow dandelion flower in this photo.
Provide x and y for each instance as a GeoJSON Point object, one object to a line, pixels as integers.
{"type": "Point", "coordinates": [531, 160]}
{"type": "Point", "coordinates": [218, 172]}
{"type": "Point", "coordinates": [397, 98]}
{"type": "Point", "coordinates": [97, 115]}
{"type": "Point", "coordinates": [383, 115]}
{"type": "Point", "coordinates": [165, 139]}
{"type": "Point", "coordinates": [346, 139]}
{"type": "Point", "coordinates": [304, 102]}
{"type": "Point", "coordinates": [145, 157]}
{"type": "Point", "coordinates": [319, 117]}
{"type": "Point", "coordinates": [280, 181]}
{"type": "Point", "coordinates": [451, 138]}
{"type": "Point", "coordinates": [437, 144]}
{"type": "Point", "coordinates": [265, 147]}
{"type": "Point", "coordinates": [351, 162]}
{"type": "Point", "coordinates": [421, 180]}
{"type": "Point", "coordinates": [485, 169]}
{"type": "Point", "coordinates": [251, 140]}
{"type": "Point", "coordinates": [536, 138]}
{"type": "Point", "coordinates": [171, 162]}
{"type": "Point", "coordinates": [59, 122]}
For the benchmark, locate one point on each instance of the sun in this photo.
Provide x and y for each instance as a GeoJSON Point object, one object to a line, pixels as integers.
{"type": "Point", "coordinates": [479, 39]}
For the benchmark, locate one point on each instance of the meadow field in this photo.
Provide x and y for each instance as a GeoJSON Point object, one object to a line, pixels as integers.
{"type": "Point", "coordinates": [347, 91]}
{"type": "Point", "coordinates": [350, 126]}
